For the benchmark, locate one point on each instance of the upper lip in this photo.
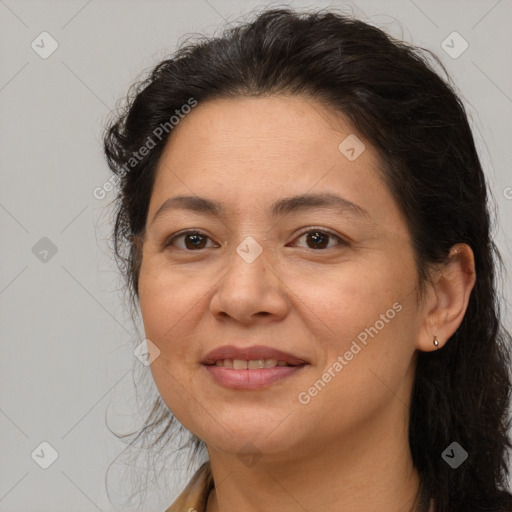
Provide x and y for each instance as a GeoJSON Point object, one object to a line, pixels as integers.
{"type": "Point", "coordinates": [249, 353]}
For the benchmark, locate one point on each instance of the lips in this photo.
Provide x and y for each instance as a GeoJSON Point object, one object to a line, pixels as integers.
{"type": "Point", "coordinates": [250, 354]}
{"type": "Point", "coordinates": [251, 368]}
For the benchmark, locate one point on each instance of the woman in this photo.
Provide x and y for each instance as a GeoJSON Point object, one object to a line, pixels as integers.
{"type": "Point", "coordinates": [303, 222]}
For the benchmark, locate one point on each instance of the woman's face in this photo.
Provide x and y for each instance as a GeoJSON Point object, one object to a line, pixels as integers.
{"type": "Point", "coordinates": [330, 282]}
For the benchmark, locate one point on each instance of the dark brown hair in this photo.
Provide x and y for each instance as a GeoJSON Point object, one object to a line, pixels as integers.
{"type": "Point", "coordinates": [393, 97]}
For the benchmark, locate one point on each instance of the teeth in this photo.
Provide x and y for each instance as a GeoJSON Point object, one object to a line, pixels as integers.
{"type": "Point", "coordinates": [240, 364]}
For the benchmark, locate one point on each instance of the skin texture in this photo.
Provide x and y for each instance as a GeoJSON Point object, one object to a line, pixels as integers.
{"type": "Point", "coordinates": [308, 301]}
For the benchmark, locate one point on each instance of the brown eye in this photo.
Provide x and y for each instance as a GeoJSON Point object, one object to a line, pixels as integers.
{"type": "Point", "coordinates": [318, 239]}
{"type": "Point", "coordinates": [193, 240]}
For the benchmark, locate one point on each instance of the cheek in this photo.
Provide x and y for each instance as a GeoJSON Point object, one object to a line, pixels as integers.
{"type": "Point", "coordinates": [355, 296]}
{"type": "Point", "coordinates": [164, 300]}
{"type": "Point", "coordinates": [171, 306]}
{"type": "Point", "coordinates": [368, 318]}
{"type": "Point", "coordinates": [166, 314]}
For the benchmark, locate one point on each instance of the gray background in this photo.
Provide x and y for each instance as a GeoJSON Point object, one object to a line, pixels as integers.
{"type": "Point", "coordinates": [67, 338]}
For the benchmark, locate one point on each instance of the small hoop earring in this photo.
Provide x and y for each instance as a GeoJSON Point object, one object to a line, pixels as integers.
{"type": "Point", "coordinates": [436, 341]}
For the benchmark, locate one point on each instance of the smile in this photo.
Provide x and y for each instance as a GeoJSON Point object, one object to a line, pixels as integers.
{"type": "Point", "coordinates": [246, 378]}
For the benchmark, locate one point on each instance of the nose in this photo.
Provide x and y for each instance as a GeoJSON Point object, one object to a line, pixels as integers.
{"type": "Point", "coordinates": [251, 287]}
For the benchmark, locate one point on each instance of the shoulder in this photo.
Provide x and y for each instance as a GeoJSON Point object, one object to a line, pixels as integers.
{"type": "Point", "coordinates": [195, 494]}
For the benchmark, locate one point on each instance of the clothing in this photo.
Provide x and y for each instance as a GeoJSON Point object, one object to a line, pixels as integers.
{"type": "Point", "coordinates": [195, 496]}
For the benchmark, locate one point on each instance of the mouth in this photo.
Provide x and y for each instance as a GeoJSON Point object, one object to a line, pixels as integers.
{"type": "Point", "coordinates": [252, 364]}
{"type": "Point", "coordinates": [251, 367]}
{"type": "Point", "coordinates": [254, 357]}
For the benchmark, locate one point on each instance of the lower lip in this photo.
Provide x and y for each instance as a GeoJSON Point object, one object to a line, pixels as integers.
{"type": "Point", "coordinates": [251, 379]}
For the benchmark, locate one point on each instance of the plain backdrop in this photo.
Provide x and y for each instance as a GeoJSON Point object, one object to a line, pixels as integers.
{"type": "Point", "coordinates": [67, 360]}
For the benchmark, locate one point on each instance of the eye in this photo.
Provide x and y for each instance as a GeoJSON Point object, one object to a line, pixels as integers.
{"type": "Point", "coordinates": [319, 238]}
{"type": "Point", "coordinates": [193, 240]}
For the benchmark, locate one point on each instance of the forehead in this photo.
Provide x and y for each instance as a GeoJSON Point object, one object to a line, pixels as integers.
{"type": "Point", "coordinates": [251, 152]}
{"type": "Point", "coordinates": [277, 138]}
{"type": "Point", "coordinates": [274, 123]}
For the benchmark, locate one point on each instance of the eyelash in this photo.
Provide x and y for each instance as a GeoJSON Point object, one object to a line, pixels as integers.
{"type": "Point", "coordinates": [313, 229]}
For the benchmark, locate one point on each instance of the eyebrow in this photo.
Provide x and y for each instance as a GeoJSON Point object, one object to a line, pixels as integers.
{"type": "Point", "coordinates": [293, 204]}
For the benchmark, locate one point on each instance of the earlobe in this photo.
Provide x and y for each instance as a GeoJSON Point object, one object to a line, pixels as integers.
{"type": "Point", "coordinates": [451, 289]}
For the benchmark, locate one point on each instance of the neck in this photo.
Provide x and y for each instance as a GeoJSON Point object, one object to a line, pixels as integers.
{"type": "Point", "coordinates": [370, 469]}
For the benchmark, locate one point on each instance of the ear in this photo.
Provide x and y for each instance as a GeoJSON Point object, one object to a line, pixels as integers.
{"type": "Point", "coordinates": [447, 298]}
